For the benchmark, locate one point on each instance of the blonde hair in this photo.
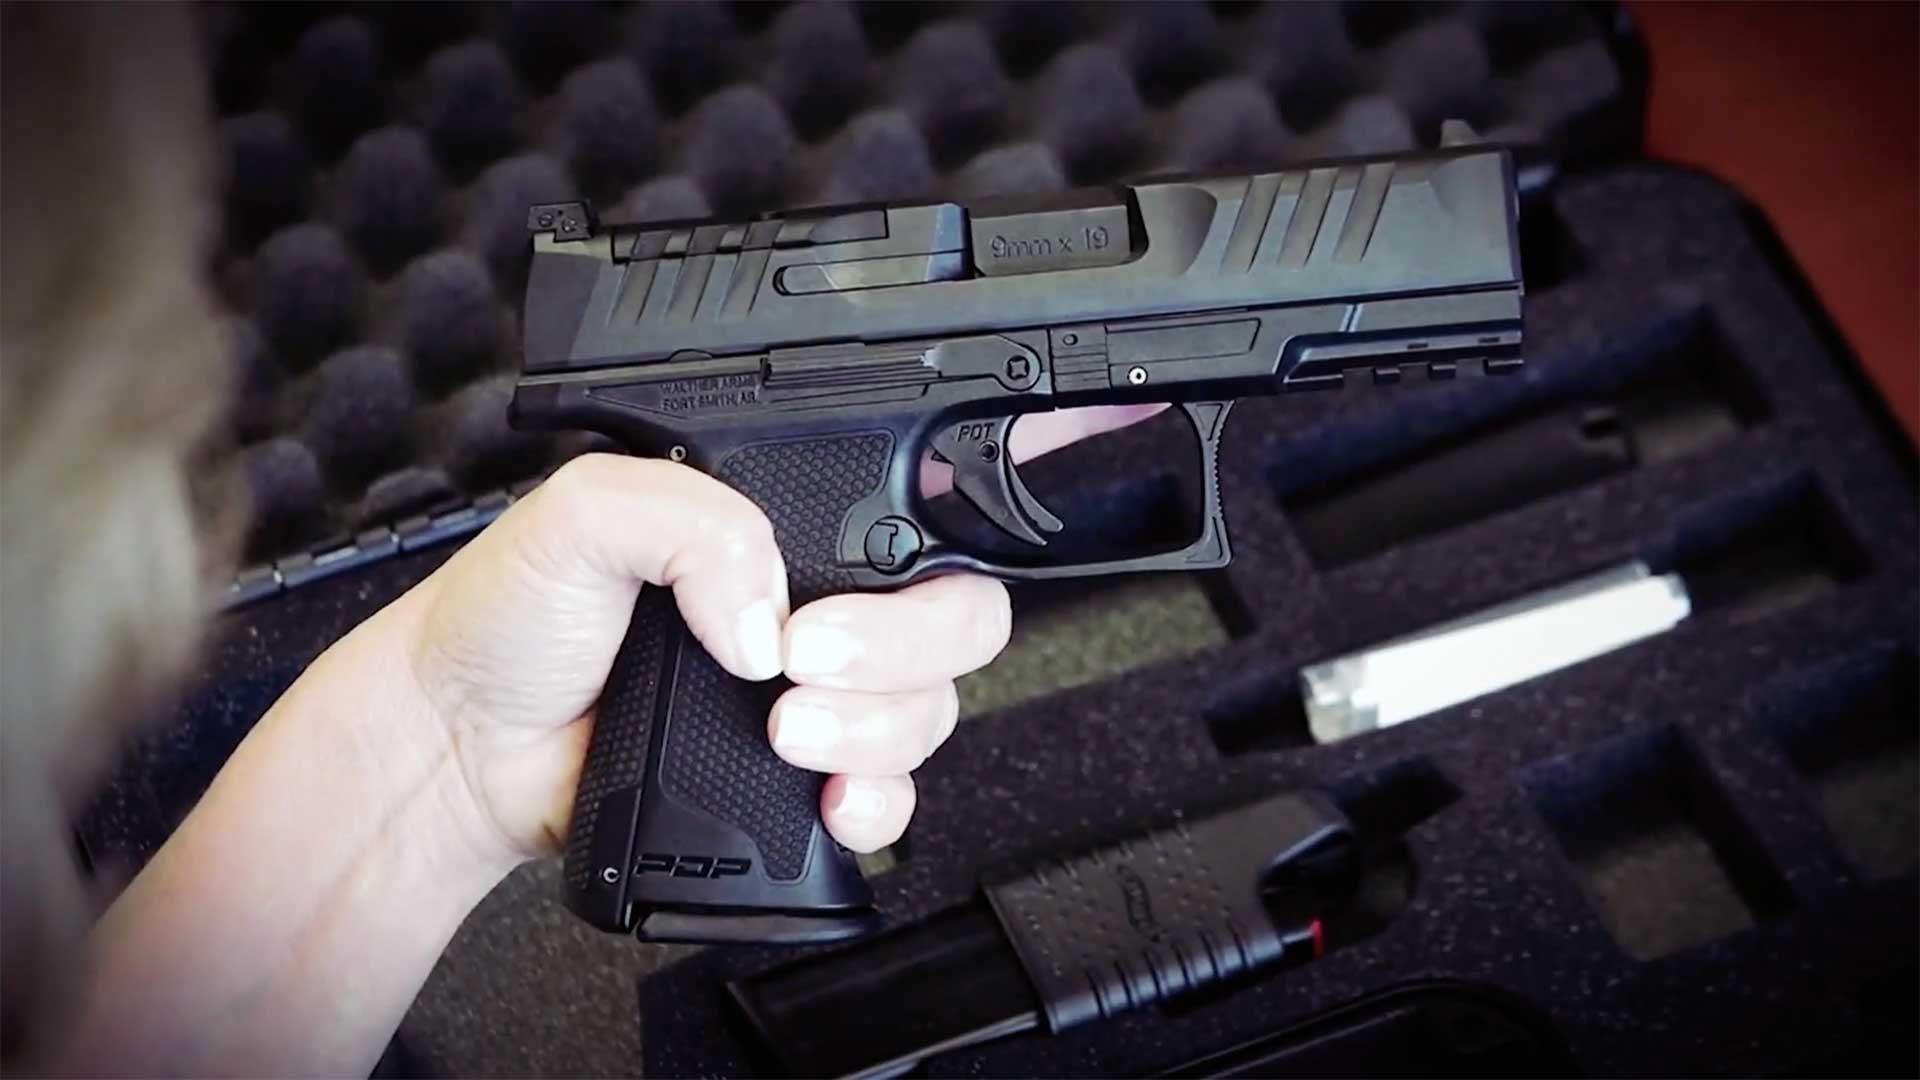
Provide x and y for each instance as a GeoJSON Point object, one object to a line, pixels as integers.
{"type": "Point", "coordinates": [111, 372]}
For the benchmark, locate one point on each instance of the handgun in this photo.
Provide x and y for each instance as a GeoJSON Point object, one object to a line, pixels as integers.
{"type": "Point", "coordinates": [811, 358]}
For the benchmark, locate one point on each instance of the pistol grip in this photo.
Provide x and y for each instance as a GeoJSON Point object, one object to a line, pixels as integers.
{"type": "Point", "coordinates": [686, 825]}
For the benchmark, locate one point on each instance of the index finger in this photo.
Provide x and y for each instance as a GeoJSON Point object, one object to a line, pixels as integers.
{"type": "Point", "coordinates": [919, 637]}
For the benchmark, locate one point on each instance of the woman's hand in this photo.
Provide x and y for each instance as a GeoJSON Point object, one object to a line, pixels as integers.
{"type": "Point", "coordinates": [510, 642]}
{"type": "Point", "coordinates": [286, 924]}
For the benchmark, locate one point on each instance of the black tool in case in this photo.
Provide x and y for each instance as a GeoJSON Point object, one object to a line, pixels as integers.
{"type": "Point", "coordinates": [1696, 854]}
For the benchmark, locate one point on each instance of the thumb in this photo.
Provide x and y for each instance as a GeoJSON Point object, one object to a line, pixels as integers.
{"type": "Point", "coordinates": [546, 592]}
{"type": "Point", "coordinates": [612, 523]}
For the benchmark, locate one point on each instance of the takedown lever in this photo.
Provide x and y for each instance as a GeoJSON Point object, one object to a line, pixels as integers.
{"type": "Point", "coordinates": [983, 472]}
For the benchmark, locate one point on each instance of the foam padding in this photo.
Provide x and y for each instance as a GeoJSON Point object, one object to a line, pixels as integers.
{"type": "Point", "coordinates": [1696, 854]}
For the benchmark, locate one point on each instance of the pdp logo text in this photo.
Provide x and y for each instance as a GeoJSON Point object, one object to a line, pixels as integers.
{"type": "Point", "coordinates": [694, 866]}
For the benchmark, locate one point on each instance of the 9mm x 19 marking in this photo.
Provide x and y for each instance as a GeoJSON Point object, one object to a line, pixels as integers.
{"type": "Point", "coordinates": [1094, 238]}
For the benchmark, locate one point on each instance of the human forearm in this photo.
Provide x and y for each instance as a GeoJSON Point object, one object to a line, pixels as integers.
{"type": "Point", "coordinates": [291, 919]}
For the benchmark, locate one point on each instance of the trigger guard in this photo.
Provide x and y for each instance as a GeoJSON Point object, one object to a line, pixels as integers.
{"type": "Point", "coordinates": [1209, 550]}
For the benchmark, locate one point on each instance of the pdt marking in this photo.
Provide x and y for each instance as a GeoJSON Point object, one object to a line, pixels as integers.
{"type": "Point", "coordinates": [975, 432]}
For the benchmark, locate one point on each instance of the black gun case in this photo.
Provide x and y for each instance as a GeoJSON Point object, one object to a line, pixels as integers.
{"type": "Point", "coordinates": [1696, 854]}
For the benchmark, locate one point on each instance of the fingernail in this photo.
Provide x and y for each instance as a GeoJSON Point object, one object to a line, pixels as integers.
{"type": "Point", "coordinates": [861, 800]}
{"type": "Point", "coordinates": [814, 650]}
{"type": "Point", "coordinates": [757, 633]}
{"type": "Point", "coordinates": [805, 734]}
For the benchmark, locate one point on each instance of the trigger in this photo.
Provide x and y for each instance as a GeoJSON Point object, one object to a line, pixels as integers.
{"type": "Point", "coordinates": [1030, 506]}
{"type": "Point", "coordinates": [984, 474]}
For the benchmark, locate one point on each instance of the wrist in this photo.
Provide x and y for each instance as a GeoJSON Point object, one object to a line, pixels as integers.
{"type": "Point", "coordinates": [404, 759]}
{"type": "Point", "coordinates": [320, 876]}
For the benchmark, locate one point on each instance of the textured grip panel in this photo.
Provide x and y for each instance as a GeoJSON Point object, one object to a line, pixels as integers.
{"type": "Point", "coordinates": [1160, 915]}
{"type": "Point", "coordinates": [717, 757]}
{"type": "Point", "coordinates": [806, 488]}
{"type": "Point", "coordinates": [617, 750]}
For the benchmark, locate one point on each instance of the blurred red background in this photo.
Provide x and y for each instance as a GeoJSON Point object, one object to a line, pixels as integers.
{"type": "Point", "coordinates": [1813, 110]}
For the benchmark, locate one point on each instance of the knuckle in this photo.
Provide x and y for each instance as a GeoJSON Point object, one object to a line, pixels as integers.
{"type": "Point", "coordinates": [905, 758]}
{"type": "Point", "coordinates": [587, 494]}
{"type": "Point", "coordinates": [760, 525]}
{"type": "Point", "coordinates": [946, 706]}
{"type": "Point", "coordinates": [581, 484]}
{"type": "Point", "coordinates": [740, 533]}
{"type": "Point", "coordinates": [993, 623]}
{"type": "Point", "coordinates": [582, 473]}
{"type": "Point", "coordinates": [561, 487]}
{"type": "Point", "coordinates": [551, 522]}
{"type": "Point", "coordinates": [941, 711]}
